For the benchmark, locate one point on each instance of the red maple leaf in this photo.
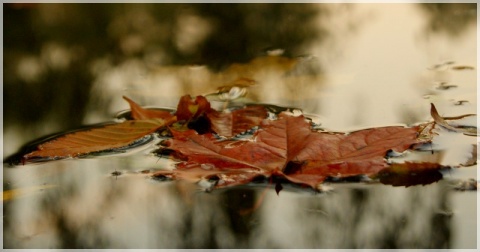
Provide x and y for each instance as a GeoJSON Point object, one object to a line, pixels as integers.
{"type": "Point", "coordinates": [288, 148]}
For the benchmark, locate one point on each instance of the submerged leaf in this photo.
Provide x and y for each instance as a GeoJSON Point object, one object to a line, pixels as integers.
{"type": "Point", "coordinates": [96, 139]}
{"type": "Point", "coordinates": [409, 174]}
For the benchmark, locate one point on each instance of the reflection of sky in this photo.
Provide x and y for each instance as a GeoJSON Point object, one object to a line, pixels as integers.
{"type": "Point", "coordinates": [383, 74]}
{"type": "Point", "coordinates": [375, 74]}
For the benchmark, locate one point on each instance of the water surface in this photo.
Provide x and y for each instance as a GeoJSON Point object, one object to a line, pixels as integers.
{"type": "Point", "coordinates": [351, 65]}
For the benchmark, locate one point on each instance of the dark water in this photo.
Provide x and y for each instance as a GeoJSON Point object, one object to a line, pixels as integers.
{"type": "Point", "coordinates": [351, 65]}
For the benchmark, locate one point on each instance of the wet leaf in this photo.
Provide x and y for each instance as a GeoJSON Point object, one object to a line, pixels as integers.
{"type": "Point", "coordinates": [441, 121]}
{"type": "Point", "coordinates": [139, 113]}
{"type": "Point", "coordinates": [283, 149]}
{"type": "Point", "coordinates": [232, 123]}
{"type": "Point", "coordinates": [190, 109]}
{"type": "Point", "coordinates": [194, 172]}
{"type": "Point", "coordinates": [288, 148]}
{"type": "Point", "coordinates": [96, 139]}
{"type": "Point", "coordinates": [410, 174]}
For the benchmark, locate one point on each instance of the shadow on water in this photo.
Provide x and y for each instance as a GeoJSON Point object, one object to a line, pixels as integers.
{"type": "Point", "coordinates": [69, 65]}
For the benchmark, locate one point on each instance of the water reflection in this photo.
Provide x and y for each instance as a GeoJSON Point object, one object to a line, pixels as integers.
{"type": "Point", "coordinates": [90, 209]}
{"type": "Point", "coordinates": [355, 65]}
{"type": "Point", "coordinates": [450, 18]}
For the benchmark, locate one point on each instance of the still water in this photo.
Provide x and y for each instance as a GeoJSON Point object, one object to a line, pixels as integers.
{"type": "Point", "coordinates": [351, 65]}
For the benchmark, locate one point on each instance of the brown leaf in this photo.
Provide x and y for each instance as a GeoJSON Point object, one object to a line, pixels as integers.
{"type": "Point", "coordinates": [288, 148]}
{"type": "Point", "coordinates": [205, 149]}
{"type": "Point", "coordinates": [96, 139]}
{"type": "Point", "coordinates": [139, 113]}
{"type": "Point", "coordinates": [236, 122]}
{"type": "Point", "coordinates": [410, 174]}
{"type": "Point", "coordinates": [223, 177]}
{"type": "Point", "coordinates": [441, 121]}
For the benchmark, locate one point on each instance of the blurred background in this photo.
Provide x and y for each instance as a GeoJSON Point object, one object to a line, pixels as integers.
{"type": "Point", "coordinates": [69, 64]}
{"type": "Point", "coordinates": [351, 65]}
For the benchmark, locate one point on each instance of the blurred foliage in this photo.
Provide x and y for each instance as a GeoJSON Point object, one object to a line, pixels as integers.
{"type": "Point", "coordinates": [452, 18]}
{"type": "Point", "coordinates": [51, 50]}
{"type": "Point", "coordinates": [154, 33]}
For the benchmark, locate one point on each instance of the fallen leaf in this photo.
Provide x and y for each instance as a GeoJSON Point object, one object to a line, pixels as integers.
{"type": "Point", "coordinates": [232, 123]}
{"type": "Point", "coordinates": [224, 177]}
{"type": "Point", "coordinates": [97, 139]}
{"type": "Point", "coordinates": [190, 109]}
{"type": "Point", "coordinates": [410, 174]}
{"type": "Point", "coordinates": [441, 121]}
{"type": "Point", "coordinates": [283, 149]}
{"type": "Point", "coordinates": [288, 148]}
{"type": "Point", "coordinates": [139, 113]}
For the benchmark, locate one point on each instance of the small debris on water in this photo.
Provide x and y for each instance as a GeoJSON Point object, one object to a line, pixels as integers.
{"type": "Point", "coordinates": [466, 185]}
{"type": "Point", "coordinates": [116, 173]}
{"type": "Point", "coordinates": [463, 68]}
{"type": "Point", "coordinates": [461, 102]}
{"type": "Point", "coordinates": [444, 86]}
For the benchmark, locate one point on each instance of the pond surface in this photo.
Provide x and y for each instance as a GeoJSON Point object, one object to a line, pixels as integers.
{"type": "Point", "coordinates": [364, 65]}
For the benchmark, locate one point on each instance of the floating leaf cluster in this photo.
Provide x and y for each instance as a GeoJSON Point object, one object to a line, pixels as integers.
{"type": "Point", "coordinates": [280, 148]}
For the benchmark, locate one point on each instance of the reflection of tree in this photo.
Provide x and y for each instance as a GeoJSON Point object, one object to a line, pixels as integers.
{"type": "Point", "coordinates": [242, 31]}
{"type": "Point", "coordinates": [154, 33]}
{"type": "Point", "coordinates": [450, 17]}
{"type": "Point", "coordinates": [28, 34]}
{"type": "Point", "coordinates": [356, 218]}
{"type": "Point", "coordinates": [130, 213]}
